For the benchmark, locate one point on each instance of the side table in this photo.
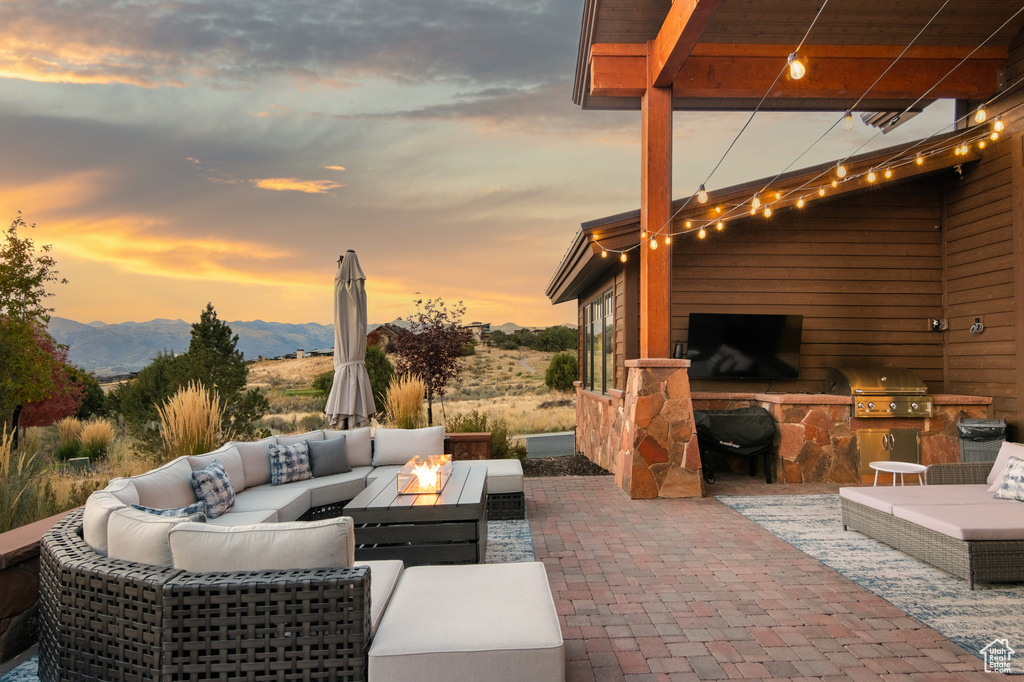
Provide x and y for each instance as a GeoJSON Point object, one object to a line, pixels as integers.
{"type": "Point", "coordinates": [900, 468]}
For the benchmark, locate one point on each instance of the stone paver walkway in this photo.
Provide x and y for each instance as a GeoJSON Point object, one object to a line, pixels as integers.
{"type": "Point", "coordinates": [690, 590]}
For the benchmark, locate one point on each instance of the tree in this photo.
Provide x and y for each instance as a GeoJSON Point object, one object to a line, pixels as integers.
{"type": "Point", "coordinates": [94, 400]}
{"type": "Point", "coordinates": [431, 347]}
{"type": "Point", "coordinates": [381, 373]}
{"type": "Point", "coordinates": [554, 339]}
{"type": "Point", "coordinates": [66, 395]}
{"type": "Point", "coordinates": [562, 371]}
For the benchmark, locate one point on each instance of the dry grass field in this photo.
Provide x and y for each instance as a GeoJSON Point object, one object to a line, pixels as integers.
{"type": "Point", "coordinates": [502, 384]}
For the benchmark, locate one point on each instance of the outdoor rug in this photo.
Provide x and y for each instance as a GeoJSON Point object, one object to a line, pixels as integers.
{"type": "Point", "coordinates": [813, 524]}
{"type": "Point", "coordinates": [507, 542]}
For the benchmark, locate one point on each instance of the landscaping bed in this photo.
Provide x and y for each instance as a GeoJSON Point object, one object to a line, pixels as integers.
{"type": "Point", "coordinates": [565, 465]}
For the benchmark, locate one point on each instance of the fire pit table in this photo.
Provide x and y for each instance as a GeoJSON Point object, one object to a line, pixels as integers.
{"type": "Point", "coordinates": [449, 527]}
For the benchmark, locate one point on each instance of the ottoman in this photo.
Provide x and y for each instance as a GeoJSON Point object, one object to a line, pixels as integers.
{"type": "Point", "coordinates": [505, 499]}
{"type": "Point", "coordinates": [474, 622]}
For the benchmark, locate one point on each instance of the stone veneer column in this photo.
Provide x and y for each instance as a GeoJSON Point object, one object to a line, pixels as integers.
{"type": "Point", "coordinates": [658, 446]}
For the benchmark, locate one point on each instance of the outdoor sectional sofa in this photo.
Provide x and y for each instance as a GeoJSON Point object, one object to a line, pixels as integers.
{"type": "Point", "coordinates": [267, 590]}
{"type": "Point", "coordinates": [953, 523]}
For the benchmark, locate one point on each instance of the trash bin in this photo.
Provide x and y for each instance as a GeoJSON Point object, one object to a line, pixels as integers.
{"type": "Point", "coordinates": [980, 439]}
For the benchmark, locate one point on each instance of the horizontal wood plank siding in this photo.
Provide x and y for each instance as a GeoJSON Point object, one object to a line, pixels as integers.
{"type": "Point", "coordinates": [865, 273]}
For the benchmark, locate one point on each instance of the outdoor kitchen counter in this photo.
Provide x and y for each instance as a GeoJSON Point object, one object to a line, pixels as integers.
{"type": "Point", "coordinates": [818, 437]}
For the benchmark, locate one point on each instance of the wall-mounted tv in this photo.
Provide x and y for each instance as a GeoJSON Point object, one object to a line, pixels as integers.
{"type": "Point", "coordinates": [740, 346]}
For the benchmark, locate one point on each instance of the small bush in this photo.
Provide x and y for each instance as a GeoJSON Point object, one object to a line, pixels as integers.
{"type": "Point", "coordinates": [562, 372]}
{"type": "Point", "coordinates": [96, 437]}
{"type": "Point", "coordinates": [503, 444]}
{"type": "Point", "coordinates": [190, 421]}
{"type": "Point", "coordinates": [312, 422]}
{"type": "Point", "coordinates": [404, 403]}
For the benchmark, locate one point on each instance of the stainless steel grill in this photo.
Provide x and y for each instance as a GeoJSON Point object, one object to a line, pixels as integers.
{"type": "Point", "coordinates": [881, 391]}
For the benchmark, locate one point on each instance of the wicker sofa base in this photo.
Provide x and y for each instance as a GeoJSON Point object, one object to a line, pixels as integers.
{"type": "Point", "coordinates": [976, 561]}
{"type": "Point", "coordinates": [107, 619]}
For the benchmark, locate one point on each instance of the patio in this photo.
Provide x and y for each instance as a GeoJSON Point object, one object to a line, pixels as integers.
{"type": "Point", "coordinates": [690, 590]}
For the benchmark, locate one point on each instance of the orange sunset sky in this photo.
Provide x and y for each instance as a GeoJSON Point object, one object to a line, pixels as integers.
{"type": "Point", "coordinates": [179, 153]}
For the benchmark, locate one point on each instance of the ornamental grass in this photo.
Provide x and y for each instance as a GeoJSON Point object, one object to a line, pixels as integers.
{"type": "Point", "coordinates": [190, 421]}
{"type": "Point", "coordinates": [69, 430]}
{"type": "Point", "coordinates": [404, 403]}
{"type": "Point", "coordinates": [96, 437]}
{"type": "Point", "coordinates": [19, 471]}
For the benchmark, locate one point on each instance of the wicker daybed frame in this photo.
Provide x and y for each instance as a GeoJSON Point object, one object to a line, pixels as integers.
{"type": "Point", "coordinates": [983, 561]}
{"type": "Point", "coordinates": [107, 619]}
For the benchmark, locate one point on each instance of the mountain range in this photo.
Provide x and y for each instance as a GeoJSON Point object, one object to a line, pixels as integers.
{"type": "Point", "coordinates": [112, 349]}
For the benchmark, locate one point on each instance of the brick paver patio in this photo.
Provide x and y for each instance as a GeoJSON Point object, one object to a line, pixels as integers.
{"type": "Point", "coordinates": [691, 590]}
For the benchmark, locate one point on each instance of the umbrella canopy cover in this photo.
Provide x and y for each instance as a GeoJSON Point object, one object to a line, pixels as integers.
{"type": "Point", "coordinates": [350, 402]}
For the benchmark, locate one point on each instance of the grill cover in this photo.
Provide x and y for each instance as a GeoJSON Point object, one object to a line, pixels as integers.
{"type": "Point", "coordinates": [748, 431]}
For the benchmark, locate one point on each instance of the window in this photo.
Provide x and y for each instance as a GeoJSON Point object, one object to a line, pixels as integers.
{"type": "Point", "coordinates": [598, 343]}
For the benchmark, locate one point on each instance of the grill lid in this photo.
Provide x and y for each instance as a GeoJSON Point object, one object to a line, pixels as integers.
{"type": "Point", "coordinates": [873, 381]}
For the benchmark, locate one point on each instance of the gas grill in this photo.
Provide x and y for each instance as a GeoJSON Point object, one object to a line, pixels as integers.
{"type": "Point", "coordinates": [881, 391]}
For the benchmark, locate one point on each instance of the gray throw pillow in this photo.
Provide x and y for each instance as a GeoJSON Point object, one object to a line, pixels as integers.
{"type": "Point", "coordinates": [328, 457]}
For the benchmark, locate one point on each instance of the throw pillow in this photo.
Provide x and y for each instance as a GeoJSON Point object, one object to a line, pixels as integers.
{"type": "Point", "coordinates": [328, 457]}
{"type": "Point", "coordinates": [213, 487]}
{"type": "Point", "coordinates": [197, 509]}
{"type": "Point", "coordinates": [289, 463]}
{"type": "Point", "coordinates": [1012, 487]}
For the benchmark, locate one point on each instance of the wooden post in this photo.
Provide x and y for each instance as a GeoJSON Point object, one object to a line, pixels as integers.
{"type": "Point", "coordinates": [655, 215]}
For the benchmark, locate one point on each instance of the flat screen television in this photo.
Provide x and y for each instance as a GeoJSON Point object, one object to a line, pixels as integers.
{"type": "Point", "coordinates": [741, 346]}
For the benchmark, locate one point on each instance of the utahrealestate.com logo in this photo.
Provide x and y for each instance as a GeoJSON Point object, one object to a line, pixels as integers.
{"type": "Point", "coordinates": [998, 656]}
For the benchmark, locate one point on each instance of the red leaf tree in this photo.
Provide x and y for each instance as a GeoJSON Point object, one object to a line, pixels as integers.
{"type": "Point", "coordinates": [431, 347]}
{"type": "Point", "coordinates": [65, 396]}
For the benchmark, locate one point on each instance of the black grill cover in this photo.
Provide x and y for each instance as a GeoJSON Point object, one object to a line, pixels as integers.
{"type": "Point", "coordinates": [981, 430]}
{"type": "Point", "coordinates": [748, 431]}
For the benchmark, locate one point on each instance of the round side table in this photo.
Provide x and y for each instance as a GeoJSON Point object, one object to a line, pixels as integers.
{"type": "Point", "coordinates": [900, 468]}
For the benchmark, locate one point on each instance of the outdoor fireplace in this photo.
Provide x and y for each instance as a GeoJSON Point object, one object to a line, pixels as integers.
{"type": "Point", "coordinates": [424, 474]}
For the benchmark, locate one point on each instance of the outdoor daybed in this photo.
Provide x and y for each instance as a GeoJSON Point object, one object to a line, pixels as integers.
{"type": "Point", "coordinates": [953, 522]}
{"type": "Point", "coordinates": [149, 583]}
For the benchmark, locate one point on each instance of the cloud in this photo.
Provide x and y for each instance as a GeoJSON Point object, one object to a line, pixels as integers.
{"type": "Point", "coordinates": [294, 185]}
{"type": "Point", "coordinates": [337, 168]}
{"type": "Point", "coordinates": [242, 42]}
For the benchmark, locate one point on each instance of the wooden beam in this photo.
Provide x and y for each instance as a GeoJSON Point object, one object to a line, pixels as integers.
{"type": "Point", "coordinates": [1017, 178]}
{"type": "Point", "coordinates": [655, 215]}
{"type": "Point", "coordinates": [680, 32]}
{"type": "Point", "coordinates": [746, 71]}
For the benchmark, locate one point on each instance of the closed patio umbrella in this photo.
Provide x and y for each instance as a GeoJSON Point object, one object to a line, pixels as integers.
{"type": "Point", "coordinates": [350, 402]}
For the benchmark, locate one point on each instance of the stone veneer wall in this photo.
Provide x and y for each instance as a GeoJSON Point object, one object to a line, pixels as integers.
{"type": "Point", "coordinates": [817, 441]}
{"type": "Point", "coordinates": [644, 435]}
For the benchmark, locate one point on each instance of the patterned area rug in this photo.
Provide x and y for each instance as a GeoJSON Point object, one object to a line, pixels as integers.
{"type": "Point", "coordinates": [507, 542]}
{"type": "Point", "coordinates": [972, 619]}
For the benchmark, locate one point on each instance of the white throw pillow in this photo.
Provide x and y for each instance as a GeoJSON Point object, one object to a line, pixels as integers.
{"type": "Point", "coordinates": [397, 446]}
{"type": "Point", "coordinates": [199, 547]}
{"type": "Point", "coordinates": [1011, 487]}
{"type": "Point", "coordinates": [1006, 451]}
{"type": "Point", "coordinates": [134, 535]}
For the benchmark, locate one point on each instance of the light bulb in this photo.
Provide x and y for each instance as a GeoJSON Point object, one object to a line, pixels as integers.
{"type": "Point", "coordinates": [689, 223]}
{"type": "Point", "coordinates": [796, 67]}
{"type": "Point", "coordinates": [994, 136]}
{"type": "Point", "coordinates": [703, 233]}
{"type": "Point", "coordinates": [720, 226]}
{"type": "Point", "coordinates": [981, 115]}
{"type": "Point", "coordinates": [919, 160]}
{"type": "Point", "coordinates": [668, 239]}
{"type": "Point", "coordinates": [981, 145]}
{"type": "Point", "coordinates": [767, 211]}
{"type": "Point", "coordinates": [840, 170]}
{"type": "Point", "coordinates": [821, 191]}
{"type": "Point", "coordinates": [702, 195]}
{"type": "Point", "coordinates": [888, 173]}
{"type": "Point", "coordinates": [800, 202]}
{"type": "Point", "coordinates": [654, 243]}
{"type": "Point", "coordinates": [755, 203]}
{"type": "Point", "coordinates": [643, 234]}
{"type": "Point", "coordinates": [718, 209]}
{"type": "Point", "coordinates": [604, 254]}
{"type": "Point", "coordinates": [997, 125]}
{"type": "Point", "coordinates": [848, 120]}
{"type": "Point", "coordinates": [622, 256]}
{"type": "Point", "coordinates": [753, 211]}
{"type": "Point", "coordinates": [835, 183]}
{"type": "Point", "coordinates": [778, 195]}
{"type": "Point", "coordinates": [871, 175]}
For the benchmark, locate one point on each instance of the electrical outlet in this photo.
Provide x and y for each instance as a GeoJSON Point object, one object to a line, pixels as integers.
{"type": "Point", "coordinates": [937, 325]}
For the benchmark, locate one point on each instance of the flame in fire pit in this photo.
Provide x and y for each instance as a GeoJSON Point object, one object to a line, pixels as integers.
{"type": "Point", "coordinates": [427, 475]}
{"type": "Point", "coordinates": [424, 474]}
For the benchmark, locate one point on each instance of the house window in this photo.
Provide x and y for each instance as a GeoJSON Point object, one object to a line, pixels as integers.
{"type": "Point", "coordinates": [598, 328]}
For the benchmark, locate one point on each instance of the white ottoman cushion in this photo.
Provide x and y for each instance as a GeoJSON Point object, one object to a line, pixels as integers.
{"type": "Point", "coordinates": [383, 581]}
{"type": "Point", "coordinates": [503, 475]}
{"type": "Point", "coordinates": [479, 622]}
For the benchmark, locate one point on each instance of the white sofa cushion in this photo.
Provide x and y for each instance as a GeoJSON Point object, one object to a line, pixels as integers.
{"type": "Point", "coordinates": [358, 445]}
{"type": "Point", "coordinates": [300, 437]}
{"type": "Point", "coordinates": [237, 518]}
{"type": "Point", "coordinates": [200, 547]}
{"type": "Point", "coordinates": [994, 520]}
{"type": "Point", "coordinates": [167, 486]}
{"type": "Point", "coordinates": [470, 623]}
{"type": "Point", "coordinates": [255, 457]}
{"type": "Point", "coordinates": [118, 494]}
{"type": "Point", "coordinates": [230, 459]}
{"type": "Point", "coordinates": [384, 576]}
{"type": "Point", "coordinates": [334, 488]}
{"type": "Point", "coordinates": [1006, 451]}
{"type": "Point", "coordinates": [398, 446]}
{"type": "Point", "coordinates": [883, 498]}
{"type": "Point", "coordinates": [289, 501]}
{"type": "Point", "coordinates": [135, 535]}
{"type": "Point", "coordinates": [503, 475]}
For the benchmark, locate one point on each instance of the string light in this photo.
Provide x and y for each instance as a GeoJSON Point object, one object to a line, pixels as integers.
{"type": "Point", "coordinates": [919, 160]}
{"type": "Point", "coordinates": [848, 121]}
{"type": "Point", "coordinates": [703, 233]}
{"type": "Point", "coordinates": [800, 202]}
{"type": "Point", "coordinates": [720, 225]}
{"type": "Point", "coordinates": [997, 125]}
{"type": "Point", "coordinates": [888, 173]}
{"type": "Point", "coordinates": [981, 115]}
{"type": "Point", "coordinates": [755, 203]}
{"type": "Point", "coordinates": [689, 224]}
{"type": "Point", "coordinates": [718, 209]}
{"type": "Point", "coordinates": [622, 256]}
{"type": "Point", "coordinates": [981, 145]}
{"type": "Point", "coordinates": [702, 195]}
{"type": "Point", "coordinates": [821, 191]}
{"type": "Point", "coordinates": [994, 136]}
{"type": "Point", "coordinates": [654, 243]}
{"type": "Point", "coordinates": [604, 254]}
{"type": "Point", "coordinates": [796, 67]}
{"type": "Point", "coordinates": [840, 170]}
{"type": "Point", "coordinates": [753, 211]}
{"type": "Point", "coordinates": [778, 195]}
{"type": "Point", "coordinates": [835, 183]}
{"type": "Point", "coordinates": [643, 234]}
{"type": "Point", "coordinates": [871, 175]}
{"type": "Point", "coordinates": [767, 211]}
{"type": "Point", "coordinates": [668, 239]}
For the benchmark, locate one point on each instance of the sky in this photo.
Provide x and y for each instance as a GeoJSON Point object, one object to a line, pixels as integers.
{"type": "Point", "coordinates": [176, 152]}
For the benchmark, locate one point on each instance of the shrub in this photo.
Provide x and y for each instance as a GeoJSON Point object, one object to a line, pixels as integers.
{"type": "Point", "coordinates": [562, 372]}
{"type": "Point", "coordinates": [68, 431]}
{"type": "Point", "coordinates": [20, 472]}
{"type": "Point", "coordinates": [191, 421]}
{"type": "Point", "coordinates": [96, 437]}
{"type": "Point", "coordinates": [312, 422]}
{"type": "Point", "coordinates": [503, 443]}
{"type": "Point", "coordinates": [404, 403]}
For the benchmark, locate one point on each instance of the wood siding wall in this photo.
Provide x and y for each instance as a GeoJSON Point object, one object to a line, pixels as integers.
{"type": "Point", "coordinates": [865, 272]}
